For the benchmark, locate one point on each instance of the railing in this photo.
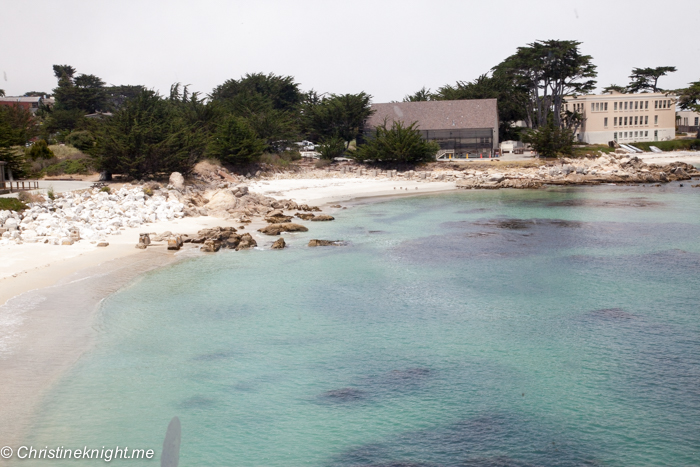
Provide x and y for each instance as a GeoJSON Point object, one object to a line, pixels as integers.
{"type": "Point", "coordinates": [19, 185]}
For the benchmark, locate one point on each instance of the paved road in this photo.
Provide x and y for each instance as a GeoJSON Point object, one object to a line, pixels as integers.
{"type": "Point", "coordinates": [59, 186]}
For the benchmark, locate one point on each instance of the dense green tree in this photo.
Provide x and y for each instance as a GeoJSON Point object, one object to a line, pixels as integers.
{"type": "Point", "coordinates": [235, 142]}
{"type": "Point", "coordinates": [81, 139]}
{"type": "Point", "coordinates": [511, 98]}
{"type": "Point", "coordinates": [35, 94]}
{"type": "Point", "coordinates": [422, 94]}
{"type": "Point", "coordinates": [17, 127]}
{"type": "Point", "coordinates": [151, 135]}
{"type": "Point", "coordinates": [2, 93]}
{"type": "Point", "coordinates": [549, 71]}
{"type": "Point", "coordinates": [689, 99]}
{"type": "Point", "coordinates": [116, 96]}
{"type": "Point", "coordinates": [340, 115]}
{"type": "Point", "coordinates": [647, 79]}
{"type": "Point", "coordinates": [281, 92]}
{"type": "Point", "coordinates": [398, 144]}
{"type": "Point", "coordinates": [550, 140]}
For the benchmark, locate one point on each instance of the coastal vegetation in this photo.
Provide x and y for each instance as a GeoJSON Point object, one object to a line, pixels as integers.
{"type": "Point", "coordinates": [140, 133]}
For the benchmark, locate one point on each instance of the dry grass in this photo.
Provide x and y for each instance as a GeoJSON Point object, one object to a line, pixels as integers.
{"type": "Point", "coordinates": [64, 151]}
{"type": "Point", "coordinates": [28, 197]}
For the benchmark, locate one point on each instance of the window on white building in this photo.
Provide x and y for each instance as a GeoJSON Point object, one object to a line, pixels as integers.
{"type": "Point", "coordinates": [625, 105]}
{"type": "Point", "coordinates": [606, 106]}
{"type": "Point", "coordinates": [696, 120]}
{"type": "Point", "coordinates": [615, 136]}
{"type": "Point", "coordinates": [605, 122]}
{"type": "Point", "coordinates": [615, 106]}
{"type": "Point", "coordinates": [615, 121]}
{"type": "Point", "coordinates": [646, 133]}
{"type": "Point", "coordinates": [656, 119]}
{"type": "Point", "coordinates": [656, 104]}
{"type": "Point", "coordinates": [635, 120]}
{"type": "Point", "coordinates": [636, 105]}
{"type": "Point", "coordinates": [646, 104]}
{"type": "Point", "coordinates": [646, 119]}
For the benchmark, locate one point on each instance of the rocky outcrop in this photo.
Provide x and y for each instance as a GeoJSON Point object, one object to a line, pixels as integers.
{"type": "Point", "coordinates": [584, 171]}
{"type": "Point", "coordinates": [307, 216]}
{"type": "Point", "coordinates": [323, 217]}
{"type": "Point", "coordinates": [246, 242]}
{"type": "Point", "coordinates": [276, 229]}
{"type": "Point", "coordinates": [210, 246]}
{"type": "Point", "coordinates": [316, 242]}
{"type": "Point", "coordinates": [174, 242]}
{"type": "Point", "coordinates": [279, 244]}
{"type": "Point", "coordinates": [144, 241]}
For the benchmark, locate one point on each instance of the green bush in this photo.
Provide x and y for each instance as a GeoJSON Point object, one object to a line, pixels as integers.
{"type": "Point", "coordinates": [397, 144]}
{"type": "Point", "coordinates": [69, 167]}
{"type": "Point", "coordinates": [550, 140]}
{"type": "Point", "coordinates": [332, 147]}
{"type": "Point", "coordinates": [235, 142]}
{"type": "Point", "coordinates": [82, 140]}
{"type": "Point", "coordinates": [673, 145]}
{"type": "Point", "coordinates": [39, 150]}
{"type": "Point", "coordinates": [11, 204]}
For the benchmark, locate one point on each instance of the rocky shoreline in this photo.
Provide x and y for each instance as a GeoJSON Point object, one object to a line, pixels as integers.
{"type": "Point", "coordinates": [585, 171]}
{"type": "Point", "coordinates": [95, 214]}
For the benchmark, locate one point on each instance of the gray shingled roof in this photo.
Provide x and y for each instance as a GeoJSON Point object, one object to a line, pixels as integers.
{"type": "Point", "coordinates": [438, 115]}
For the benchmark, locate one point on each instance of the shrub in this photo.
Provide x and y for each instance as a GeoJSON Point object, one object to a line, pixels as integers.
{"type": "Point", "coordinates": [274, 159]}
{"type": "Point", "coordinates": [332, 147]}
{"type": "Point", "coordinates": [550, 140]}
{"type": "Point", "coordinates": [106, 189]}
{"type": "Point", "coordinates": [28, 197]}
{"type": "Point", "coordinates": [12, 204]}
{"type": "Point", "coordinates": [39, 150]}
{"type": "Point", "coordinates": [399, 143]}
{"type": "Point", "coordinates": [82, 140]}
{"type": "Point", "coordinates": [50, 193]}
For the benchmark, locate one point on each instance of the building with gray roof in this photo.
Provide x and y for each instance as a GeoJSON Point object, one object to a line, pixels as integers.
{"type": "Point", "coordinates": [463, 129]}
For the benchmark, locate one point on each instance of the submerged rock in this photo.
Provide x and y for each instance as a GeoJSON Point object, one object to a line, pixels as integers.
{"type": "Point", "coordinates": [316, 242]}
{"type": "Point", "coordinates": [279, 244]}
{"type": "Point", "coordinates": [323, 217]}
{"type": "Point", "coordinates": [276, 229]}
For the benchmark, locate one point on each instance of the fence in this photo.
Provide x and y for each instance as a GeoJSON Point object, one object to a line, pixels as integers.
{"type": "Point", "coordinates": [19, 185]}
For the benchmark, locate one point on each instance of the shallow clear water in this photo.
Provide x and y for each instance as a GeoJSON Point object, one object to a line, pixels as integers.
{"type": "Point", "coordinates": [483, 328]}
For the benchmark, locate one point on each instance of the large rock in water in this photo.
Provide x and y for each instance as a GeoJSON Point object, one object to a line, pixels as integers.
{"type": "Point", "coordinates": [177, 180]}
{"type": "Point", "coordinates": [279, 244]}
{"type": "Point", "coordinates": [211, 246]}
{"type": "Point", "coordinates": [276, 229]}
{"type": "Point", "coordinates": [247, 241]}
{"type": "Point", "coordinates": [305, 216]}
{"type": "Point", "coordinates": [323, 217]}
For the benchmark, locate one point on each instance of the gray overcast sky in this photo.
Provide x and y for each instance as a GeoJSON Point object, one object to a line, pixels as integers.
{"type": "Point", "coordinates": [386, 48]}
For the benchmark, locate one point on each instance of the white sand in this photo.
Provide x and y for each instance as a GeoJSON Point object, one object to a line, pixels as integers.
{"type": "Point", "coordinates": [334, 190]}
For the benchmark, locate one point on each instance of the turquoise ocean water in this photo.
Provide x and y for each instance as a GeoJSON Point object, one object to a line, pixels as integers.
{"type": "Point", "coordinates": [554, 327]}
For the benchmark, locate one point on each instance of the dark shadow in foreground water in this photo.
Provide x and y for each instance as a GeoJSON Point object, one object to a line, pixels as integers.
{"type": "Point", "coordinates": [488, 440]}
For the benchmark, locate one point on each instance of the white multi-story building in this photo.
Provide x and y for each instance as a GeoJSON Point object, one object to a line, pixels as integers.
{"type": "Point", "coordinates": [625, 118]}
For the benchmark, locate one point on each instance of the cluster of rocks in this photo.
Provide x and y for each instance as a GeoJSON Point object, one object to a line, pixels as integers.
{"type": "Point", "coordinates": [586, 171]}
{"type": "Point", "coordinates": [89, 215]}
